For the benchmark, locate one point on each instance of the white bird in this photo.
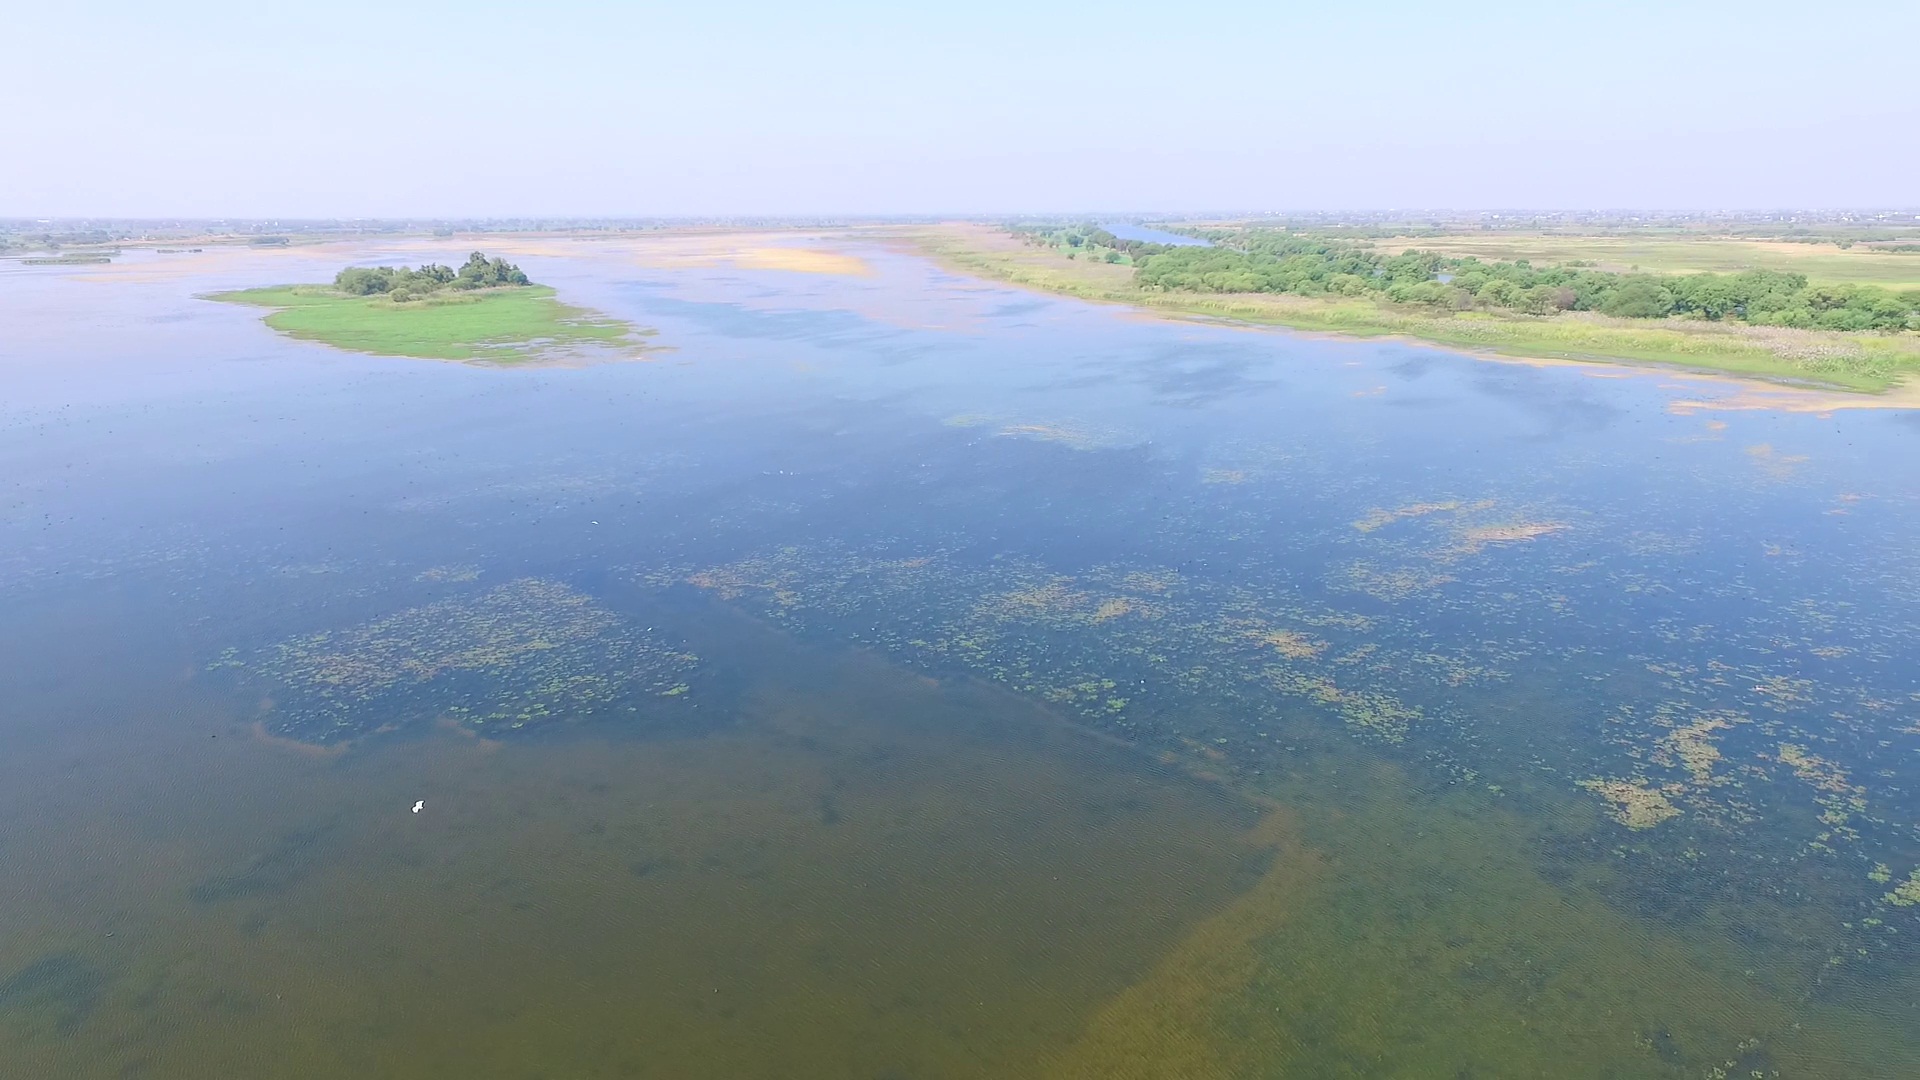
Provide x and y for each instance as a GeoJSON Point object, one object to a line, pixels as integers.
{"type": "Point", "coordinates": [419, 806]}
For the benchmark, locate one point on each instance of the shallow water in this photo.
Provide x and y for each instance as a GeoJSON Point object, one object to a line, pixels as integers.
{"type": "Point", "coordinates": [1127, 231]}
{"type": "Point", "coordinates": [903, 676]}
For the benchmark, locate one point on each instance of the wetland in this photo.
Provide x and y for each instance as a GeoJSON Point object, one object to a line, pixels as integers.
{"type": "Point", "coordinates": [907, 675]}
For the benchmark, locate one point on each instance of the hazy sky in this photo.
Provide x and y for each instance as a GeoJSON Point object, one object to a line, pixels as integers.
{"type": "Point", "coordinates": [343, 108]}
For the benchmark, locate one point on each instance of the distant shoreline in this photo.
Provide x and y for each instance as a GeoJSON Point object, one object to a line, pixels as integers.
{"type": "Point", "coordinates": [1883, 375]}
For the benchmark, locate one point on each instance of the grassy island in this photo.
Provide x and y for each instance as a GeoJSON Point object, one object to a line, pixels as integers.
{"type": "Point", "coordinates": [1770, 323]}
{"type": "Point", "coordinates": [485, 311]}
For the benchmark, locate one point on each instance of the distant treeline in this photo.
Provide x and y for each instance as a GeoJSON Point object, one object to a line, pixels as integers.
{"type": "Point", "coordinates": [1101, 243]}
{"type": "Point", "coordinates": [479, 272]}
{"type": "Point", "coordinates": [1272, 261]}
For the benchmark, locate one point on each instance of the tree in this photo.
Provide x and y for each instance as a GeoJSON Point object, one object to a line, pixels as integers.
{"type": "Point", "coordinates": [364, 280]}
{"type": "Point", "coordinates": [1710, 295]}
{"type": "Point", "coordinates": [1275, 260]}
{"type": "Point", "coordinates": [1538, 300]}
{"type": "Point", "coordinates": [1639, 300]}
{"type": "Point", "coordinates": [478, 272]}
{"type": "Point", "coordinates": [1499, 292]}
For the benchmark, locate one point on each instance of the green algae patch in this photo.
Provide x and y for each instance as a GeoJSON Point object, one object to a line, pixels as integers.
{"type": "Point", "coordinates": [525, 324]}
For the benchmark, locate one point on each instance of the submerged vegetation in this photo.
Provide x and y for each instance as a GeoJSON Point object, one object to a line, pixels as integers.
{"type": "Point", "coordinates": [1707, 787]}
{"type": "Point", "coordinates": [486, 311]}
{"type": "Point", "coordinates": [1768, 323]}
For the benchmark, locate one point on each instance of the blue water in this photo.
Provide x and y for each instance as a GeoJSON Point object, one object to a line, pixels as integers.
{"type": "Point", "coordinates": [903, 675]}
{"type": "Point", "coordinates": [1128, 231]}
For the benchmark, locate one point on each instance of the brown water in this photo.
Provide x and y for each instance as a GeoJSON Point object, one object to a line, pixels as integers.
{"type": "Point", "coordinates": [866, 873]}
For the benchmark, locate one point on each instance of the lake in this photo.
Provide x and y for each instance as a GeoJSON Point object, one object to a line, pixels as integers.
{"type": "Point", "coordinates": [1129, 231]}
{"type": "Point", "coordinates": [898, 675]}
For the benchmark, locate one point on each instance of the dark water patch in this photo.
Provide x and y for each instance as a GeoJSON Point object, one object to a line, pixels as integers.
{"type": "Point", "coordinates": [62, 988]}
{"type": "Point", "coordinates": [1189, 375]}
{"type": "Point", "coordinates": [1018, 308]}
{"type": "Point", "coordinates": [272, 872]}
{"type": "Point", "coordinates": [1561, 407]}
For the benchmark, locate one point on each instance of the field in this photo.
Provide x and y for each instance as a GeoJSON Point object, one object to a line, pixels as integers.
{"type": "Point", "coordinates": [1681, 254]}
{"type": "Point", "coordinates": [1869, 363]}
{"type": "Point", "coordinates": [509, 325]}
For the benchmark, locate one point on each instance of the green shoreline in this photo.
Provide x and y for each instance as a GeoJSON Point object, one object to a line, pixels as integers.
{"type": "Point", "coordinates": [1862, 363]}
{"type": "Point", "coordinates": [512, 325]}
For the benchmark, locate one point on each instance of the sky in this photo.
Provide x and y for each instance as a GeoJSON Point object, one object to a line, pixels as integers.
{"type": "Point", "coordinates": [339, 108]}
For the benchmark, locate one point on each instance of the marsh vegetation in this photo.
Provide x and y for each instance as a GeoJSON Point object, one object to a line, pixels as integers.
{"type": "Point", "coordinates": [1770, 321]}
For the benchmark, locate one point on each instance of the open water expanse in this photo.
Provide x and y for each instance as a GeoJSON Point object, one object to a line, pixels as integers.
{"type": "Point", "coordinates": [897, 676]}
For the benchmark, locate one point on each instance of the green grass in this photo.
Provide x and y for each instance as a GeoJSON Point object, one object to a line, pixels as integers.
{"type": "Point", "coordinates": [1863, 362]}
{"type": "Point", "coordinates": [511, 325]}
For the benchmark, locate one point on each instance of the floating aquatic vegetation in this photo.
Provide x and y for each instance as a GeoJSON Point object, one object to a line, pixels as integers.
{"type": "Point", "coordinates": [1634, 803]}
{"type": "Point", "coordinates": [1824, 775]}
{"type": "Point", "coordinates": [1072, 433]}
{"type": "Point", "coordinates": [525, 652]}
{"type": "Point", "coordinates": [1292, 644]}
{"type": "Point", "coordinates": [1908, 893]}
{"type": "Point", "coordinates": [1056, 600]}
{"type": "Point", "coordinates": [1692, 746]}
{"type": "Point", "coordinates": [1457, 633]}
{"type": "Point", "coordinates": [1239, 464]}
{"type": "Point", "coordinates": [1391, 585]}
{"type": "Point", "coordinates": [1380, 518]}
{"type": "Point", "coordinates": [1367, 712]}
{"type": "Point", "coordinates": [1458, 669]}
{"type": "Point", "coordinates": [1476, 537]}
{"type": "Point", "coordinates": [1468, 527]}
{"type": "Point", "coordinates": [1102, 642]}
{"type": "Point", "coordinates": [1783, 692]}
{"type": "Point", "coordinates": [1654, 542]}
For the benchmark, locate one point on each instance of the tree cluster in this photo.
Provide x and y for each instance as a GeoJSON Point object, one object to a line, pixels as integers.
{"type": "Point", "coordinates": [1272, 261]}
{"type": "Point", "coordinates": [479, 272]}
{"type": "Point", "coordinates": [1097, 243]}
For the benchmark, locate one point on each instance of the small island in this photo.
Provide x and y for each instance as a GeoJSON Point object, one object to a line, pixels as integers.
{"type": "Point", "coordinates": [487, 311]}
